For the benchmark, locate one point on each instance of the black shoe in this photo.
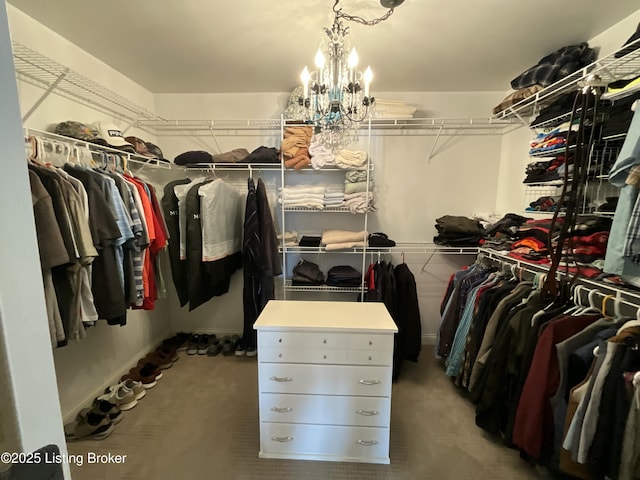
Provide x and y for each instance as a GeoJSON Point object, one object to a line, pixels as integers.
{"type": "Point", "coordinates": [203, 344]}
{"type": "Point", "coordinates": [192, 349]}
{"type": "Point", "coordinates": [215, 347]}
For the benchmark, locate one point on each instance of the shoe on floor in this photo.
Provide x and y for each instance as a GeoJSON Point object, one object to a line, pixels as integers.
{"type": "Point", "coordinates": [229, 345]}
{"type": "Point", "coordinates": [241, 349]}
{"type": "Point", "coordinates": [92, 425]}
{"type": "Point", "coordinates": [160, 360]}
{"type": "Point", "coordinates": [215, 347]}
{"type": "Point", "coordinates": [252, 351]}
{"type": "Point", "coordinates": [136, 387]}
{"type": "Point", "coordinates": [192, 349]}
{"type": "Point", "coordinates": [180, 341]}
{"type": "Point", "coordinates": [143, 375]}
{"type": "Point", "coordinates": [119, 394]}
{"type": "Point", "coordinates": [150, 367]}
{"type": "Point", "coordinates": [103, 406]}
{"type": "Point", "coordinates": [168, 351]}
{"type": "Point", "coordinates": [203, 344]}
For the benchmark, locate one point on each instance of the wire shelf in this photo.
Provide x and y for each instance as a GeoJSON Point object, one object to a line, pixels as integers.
{"type": "Point", "coordinates": [407, 247]}
{"type": "Point", "coordinates": [604, 71]}
{"type": "Point", "coordinates": [320, 288]}
{"type": "Point", "coordinates": [318, 210]}
{"type": "Point", "coordinates": [412, 126]}
{"type": "Point", "coordinates": [231, 167]}
{"type": "Point", "coordinates": [46, 73]}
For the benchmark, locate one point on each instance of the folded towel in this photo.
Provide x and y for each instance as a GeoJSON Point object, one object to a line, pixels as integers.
{"type": "Point", "coordinates": [356, 176]}
{"type": "Point", "coordinates": [342, 245]}
{"type": "Point", "coordinates": [339, 236]}
{"type": "Point", "coordinates": [358, 187]}
{"type": "Point", "coordinates": [302, 196]}
{"type": "Point", "coordinates": [303, 204]}
{"type": "Point", "coordinates": [320, 155]}
{"type": "Point", "coordinates": [304, 189]}
{"type": "Point", "coordinates": [351, 159]}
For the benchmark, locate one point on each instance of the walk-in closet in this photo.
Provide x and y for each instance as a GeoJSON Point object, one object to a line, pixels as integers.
{"type": "Point", "coordinates": [215, 265]}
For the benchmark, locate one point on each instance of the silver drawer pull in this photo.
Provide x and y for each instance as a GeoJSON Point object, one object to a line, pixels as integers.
{"type": "Point", "coordinates": [282, 410]}
{"type": "Point", "coordinates": [281, 379]}
{"type": "Point", "coordinates": [369, 382]}
{"type": "Point", "coordinates": [367, 443]}
{"type": "Point", "coordinates": [367, 413]}
{"type": "Point", "coordinates": [283, 439]}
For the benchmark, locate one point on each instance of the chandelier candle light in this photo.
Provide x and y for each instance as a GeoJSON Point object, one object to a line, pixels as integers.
{"type": "Point", "coordinates": [333, 98]}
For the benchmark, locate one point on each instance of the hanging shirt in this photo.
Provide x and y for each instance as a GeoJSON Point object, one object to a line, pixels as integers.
{"type": "Point", "coordinates": [629, 156]}
{"type": "Point", "coordinates": [221, 212]}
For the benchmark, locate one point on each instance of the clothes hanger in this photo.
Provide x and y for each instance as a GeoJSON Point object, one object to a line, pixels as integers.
{"type": "Point", "coordinates": [577, 301]}
{"type": "Point", "coordinates": [604, 306]}
{"type": "Point", "coordinates": [592, 308]}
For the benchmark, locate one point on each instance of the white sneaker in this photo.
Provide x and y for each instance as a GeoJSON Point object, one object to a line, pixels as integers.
{"type": "Point", "coordinates": [136, 387]}
{"type": "Point", "coordinates": [121, 396]}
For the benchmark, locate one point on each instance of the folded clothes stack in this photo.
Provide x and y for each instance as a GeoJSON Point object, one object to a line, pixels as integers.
{"type": "Point", "coordinates": [356, 182]}
{"type": "Point", "coordinates": [307, 273]}
{"type": "Point", "coordinates": [321, 156]}
{"type": "Point", "coordinates": [351, 159]}
{"type": "Point", "coordinates": [343, 276]}
{"type": "Point", "coordinates": [334, 196]}
{"type": "Point", "coordinates": [548, 170]}
{"type": "Point", "coordinates": [338, 239]}
{"type": "Point", "coordinates": [307, 196]}
{"type": "Point", "coordinates": [458, 231]}
{"type": "Point", "coordinates": [379, 239]}
{"type": "Point", "coordinates": [295, 146]}
{"type": "Point", "coordinates": [310, 241]}
{"type": "Point", "coordinates": [290, 239]}
{"type": "Point", "coordinates": [549, 142]}
{"type": "Point", "coordinates": [393, 109]}
{"type": "Point", "coordinates": [359, 202]}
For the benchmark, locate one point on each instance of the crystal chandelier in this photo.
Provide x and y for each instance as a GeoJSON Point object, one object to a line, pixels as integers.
{"type": "Point", "coordinates": [336, 96]}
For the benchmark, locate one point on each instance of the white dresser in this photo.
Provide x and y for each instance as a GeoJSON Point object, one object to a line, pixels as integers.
{"type": "Point", "coordinates": [324, 380]}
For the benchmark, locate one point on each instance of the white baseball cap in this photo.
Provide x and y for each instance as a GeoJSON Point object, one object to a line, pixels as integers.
{"type": "Point", "coordinates": [111, 134]}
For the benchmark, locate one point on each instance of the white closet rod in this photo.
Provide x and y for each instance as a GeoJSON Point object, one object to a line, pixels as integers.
{"type": "Point", "coordinates": [626, 297]}
{"type": "Point", "coordinates": [131, 158]}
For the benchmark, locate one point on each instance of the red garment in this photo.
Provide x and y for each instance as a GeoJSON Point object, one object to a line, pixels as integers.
{"type": "Point", "coordinates": [531, 242]}
{"type": "Point", "coordinates": [534, 418]}
{"type": "Point", "coordinates": [157, 241]}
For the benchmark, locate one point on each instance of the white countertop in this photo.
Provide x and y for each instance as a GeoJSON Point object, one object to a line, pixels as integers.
{"type": "Point", "coordinates": [371, 317]}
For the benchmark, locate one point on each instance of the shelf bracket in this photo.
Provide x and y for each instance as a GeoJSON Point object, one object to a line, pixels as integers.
{"type": "Point", "coordinates": [45, 95]}
{"type": "Point", "coordinates": [435, 143]}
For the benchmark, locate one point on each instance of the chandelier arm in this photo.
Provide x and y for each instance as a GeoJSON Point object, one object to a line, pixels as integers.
{"type": "Point", "coordinates": [357, 19]}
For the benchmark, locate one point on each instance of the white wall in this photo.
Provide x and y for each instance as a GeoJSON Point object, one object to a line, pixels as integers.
{"type": "Point", "coordinates": [84, 368]}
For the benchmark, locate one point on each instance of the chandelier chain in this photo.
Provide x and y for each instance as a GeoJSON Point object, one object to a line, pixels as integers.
{"type": "Point", "coordinates": [357, 19]}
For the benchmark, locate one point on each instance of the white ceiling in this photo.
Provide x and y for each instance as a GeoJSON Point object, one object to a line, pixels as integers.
{"type": "Point", "coordinates": [217, 46]}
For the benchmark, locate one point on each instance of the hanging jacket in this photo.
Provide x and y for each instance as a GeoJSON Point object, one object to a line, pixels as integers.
{"type": "Point", "coordinates": [171, 215]}
{"type": "Point", "coordinates": [271, 260]}
{"type": "Point", "coordinates": [251, 266]}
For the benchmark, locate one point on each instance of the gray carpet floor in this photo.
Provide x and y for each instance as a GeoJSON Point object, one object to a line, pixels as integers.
{"type": "Point", "coordinates": [201, 421]}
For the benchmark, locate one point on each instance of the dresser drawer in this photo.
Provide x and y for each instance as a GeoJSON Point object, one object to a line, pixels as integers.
{"type": "Point", "coordinates": [325, 409]}
{"type": "Point", "coordinates": [324, 379]}
{"type": "Point", "coordinates": [324, 442]}
{"type": "Point", "coordinates": [370, 357]}
{"type": "Point", "coordinates": [370, 341]}
{"type": "Point", "coordinates": [302, 340]}
{"type": "Point", "coordinates": [281, 354]}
